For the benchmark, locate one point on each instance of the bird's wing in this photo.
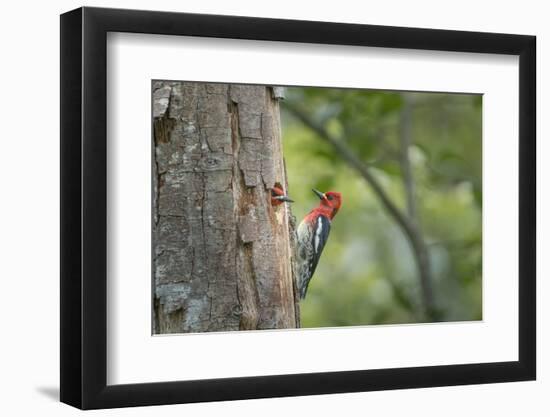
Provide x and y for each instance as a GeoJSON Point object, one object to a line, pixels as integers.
{"type": "Point", "coordinates": [311, 246]}
{"type": "Point", "coordinates": [320, 238]}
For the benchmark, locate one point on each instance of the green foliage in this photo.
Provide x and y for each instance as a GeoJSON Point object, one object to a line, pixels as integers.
{"type": "Point", "coordinates": [367, 274]}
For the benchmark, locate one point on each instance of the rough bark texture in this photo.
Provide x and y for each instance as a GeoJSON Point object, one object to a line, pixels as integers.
{"type": "Point", "coordinates": [222, 252]}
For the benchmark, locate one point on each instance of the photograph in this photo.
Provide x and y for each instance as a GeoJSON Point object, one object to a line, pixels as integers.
{"type": "Point", "coordinates": [294, 207]}
{"type": "Point", "coordinates": [260, 206]}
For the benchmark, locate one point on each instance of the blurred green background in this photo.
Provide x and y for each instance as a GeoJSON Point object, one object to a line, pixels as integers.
{"type": "Point", "coordinates": [424, 152]}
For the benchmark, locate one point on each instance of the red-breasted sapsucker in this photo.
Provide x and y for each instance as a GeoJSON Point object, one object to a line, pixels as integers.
{"type": "Point", "coordinates": [313, 234]}
{"type": "Point", "coordinates": [278, 196]}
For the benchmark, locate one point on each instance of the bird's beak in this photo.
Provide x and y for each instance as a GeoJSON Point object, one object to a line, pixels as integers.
{"type": "Point", "coordinates": [283, 198]}
{"type": "Point", "coordinates": [318, 193]}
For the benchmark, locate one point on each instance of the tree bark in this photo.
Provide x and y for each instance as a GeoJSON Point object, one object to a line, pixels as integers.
{"type": "Point", "coordinates": [222, 252]}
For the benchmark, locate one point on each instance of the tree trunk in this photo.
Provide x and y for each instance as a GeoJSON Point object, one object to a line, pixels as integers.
{"type": "Point", "coordinates": [222, 252]}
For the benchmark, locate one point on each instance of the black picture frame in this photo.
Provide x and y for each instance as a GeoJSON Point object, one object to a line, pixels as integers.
{"type": "Point", "coordinates": [84, 207]}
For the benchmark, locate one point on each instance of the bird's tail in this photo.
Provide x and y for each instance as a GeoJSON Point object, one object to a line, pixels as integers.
{"type": "Point", "coordinates": [303, 289]}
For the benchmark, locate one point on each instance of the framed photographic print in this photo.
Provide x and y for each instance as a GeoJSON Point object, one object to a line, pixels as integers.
{"type": "Point", "coordinates": [257, 207]}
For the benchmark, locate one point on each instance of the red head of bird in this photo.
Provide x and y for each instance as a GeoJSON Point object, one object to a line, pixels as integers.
{"type": "Point", "coordinates": [278, 196]}
{"type": "Point", "coordinates": [330, 203]}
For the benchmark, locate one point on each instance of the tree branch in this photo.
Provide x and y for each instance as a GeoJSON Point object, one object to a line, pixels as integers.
{"type": "Point", "coordinates": [423, 256]}
{"type": "Point", "coordinates": [405, 140]}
